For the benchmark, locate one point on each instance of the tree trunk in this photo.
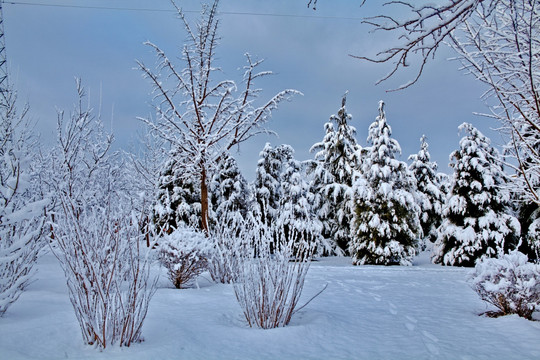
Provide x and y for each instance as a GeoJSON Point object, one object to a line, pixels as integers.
{"type": "Point", "coordinates": [204, 202]}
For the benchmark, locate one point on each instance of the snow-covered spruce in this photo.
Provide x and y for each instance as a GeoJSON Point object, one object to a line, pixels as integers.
{"type": "Point", "coordinates": [267, 184]}
{"type": "Point", "coordinates": [528, 210]}
{"type": "Point", "coordinates": [269, 285]}
{"type": "Point", "coordinates": [296, 214]}
{"type": "Point", "coordinates": [232, 210]}
{"type": "Point", "coordinates": [337, 157]}
{"type": "Point", "coordinates": [21, 209]}
{"type": "Point", "coordinates": [184, 254]}
{"type": "Point", "coordinates": [96, 233]}
{"type": "Point", "coordinates": [386, 227]}
{"type": "Point", "coordinates": [429, 196]}
{"type": "Point", "coordinates": [476, 216]}
{"type": "Point", "coordinates": [178, 199]}
{"type": "Point", "coordinates": [509, 283]}
{"type": "Point", "coordinates": [230, 196]}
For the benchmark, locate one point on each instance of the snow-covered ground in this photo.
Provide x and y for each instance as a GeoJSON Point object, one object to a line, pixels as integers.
{"type": "Point", "coordinates": [368, 312]}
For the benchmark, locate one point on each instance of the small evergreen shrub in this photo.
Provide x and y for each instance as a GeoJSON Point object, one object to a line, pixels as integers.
{"type": "Point", "coordinates": [510, 283]}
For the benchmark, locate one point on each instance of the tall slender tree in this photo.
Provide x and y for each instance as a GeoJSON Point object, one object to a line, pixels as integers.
{"type": "Point", "coordinates": [429, 196]}
{"type": "Point", "coordinates": [337, 158]}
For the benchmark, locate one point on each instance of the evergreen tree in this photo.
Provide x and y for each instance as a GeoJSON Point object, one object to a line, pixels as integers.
{"type": "Point", "coordinates": [429, 196]}
{"type": "Point", "coordinates": [386, 225]}
{"type": "Point", "coordinates": [337, 157]}
{"type": "Point", "coordinates": [528, 211]}
{"type": "Point", "coordinates": [476, 220]}
{"type": "Point", "coordinates": [267, 184]}
{"type": "Point", "coordinates": [229, 194]}
{"type": "Point", "coordinates": [178, 199]}
{"type": "Point", "coordinates": [296, 215]}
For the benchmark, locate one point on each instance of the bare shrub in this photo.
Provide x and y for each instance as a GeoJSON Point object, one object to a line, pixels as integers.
{"type": "Point", "coordinates": [268, 286]}
{"type": "Point", "coordinates": [228, 251]}
{"type": "Point", "coordinates": [96, 232]}
{"type": "Point", "coordinates": [509, 283]}
{"type": "Point", "coordinates": [21, 209]}
{"type": "Point", "coordinates": [107, 274]}
{"type": "Point", "coordinates": [184, 254]}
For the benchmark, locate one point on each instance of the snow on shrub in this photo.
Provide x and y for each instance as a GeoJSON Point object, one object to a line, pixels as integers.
{"type": "Point", "coordinates": [509, 282]}
{"type": "Point", "coordinates": [184, 254]}
{"type": "Point", "coordinates": [269, 285]}
{"type": "Point", "coordinates": [106, 272]}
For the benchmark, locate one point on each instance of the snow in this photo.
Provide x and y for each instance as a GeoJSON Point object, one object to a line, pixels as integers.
{"type": "Point", "coordinates": [423, 311]}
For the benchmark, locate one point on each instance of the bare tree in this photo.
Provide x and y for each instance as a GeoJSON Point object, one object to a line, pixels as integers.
{"type": "Point", "coordinates": [21, 211]}
{"type": "Point", "coordinates": [199, 115]}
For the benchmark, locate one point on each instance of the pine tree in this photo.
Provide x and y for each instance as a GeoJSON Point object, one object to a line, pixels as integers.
{"type": "Point", "coordinates": [337, 157]}
{"type": "Point", "coordinates": [179, 200]}
{"type": "Point", "coordinates": [386, 225]}
{"type": "Point", "coordinates": [229, 194]}
{"type": "Point", "coordinates": [429, 196]}
{"type": "Point", "coordinates": [476, 217]}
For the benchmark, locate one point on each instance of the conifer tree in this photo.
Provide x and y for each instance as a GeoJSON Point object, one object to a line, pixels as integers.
{"type": "Point", "coordinates": [476, 218]}
{"type": "Point", "coordinates": [337, 157]}
{"type": "Point", "coordinates": [229, 194]}
{"type": "Point", "coordinates": [179, 200]}
{"type": "Point", "coordinates": [386, 225]}
{"type": "Point", "coordinates": [267, 184]}
{"type": "Point", "coordinates": [296, 214]}
{"type": "Point", "coordinates": [429, 196]}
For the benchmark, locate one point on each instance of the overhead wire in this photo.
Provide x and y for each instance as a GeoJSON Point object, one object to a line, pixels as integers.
{"type": "Point", "coordinates": [112, 8]}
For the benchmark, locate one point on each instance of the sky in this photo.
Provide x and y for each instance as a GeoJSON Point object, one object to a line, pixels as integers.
{"type": "Point", "coordinates": [48, 46]}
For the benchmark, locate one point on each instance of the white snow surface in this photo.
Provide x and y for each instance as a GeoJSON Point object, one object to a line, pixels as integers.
{"type": "Point", "coordinates": [423, 311]}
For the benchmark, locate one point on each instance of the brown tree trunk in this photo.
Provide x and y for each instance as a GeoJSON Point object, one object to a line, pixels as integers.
{"type": "Point", "coordinates": [204, 202]}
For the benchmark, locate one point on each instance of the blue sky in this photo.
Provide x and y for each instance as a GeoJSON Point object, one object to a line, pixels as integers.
{"type": "Point", "coordinates": [47, 47]}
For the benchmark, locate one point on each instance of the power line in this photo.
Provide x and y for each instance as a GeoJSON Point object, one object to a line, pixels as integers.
{"type": "Point", "coordinates": [91, 7]}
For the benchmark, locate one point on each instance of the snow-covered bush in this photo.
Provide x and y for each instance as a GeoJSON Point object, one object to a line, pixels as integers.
{"type": "Point", "coordinates": [184, 254]}
{"type": "Point", "coordinates": [228, 249]}
{"type": "Point", "coordinates": [509, 282]}
{"type": "Point", "coordinates": [107, 273]}
{"type": "Point", "coordinates": [96, 232]}
{"type": "Point", "coordinates": [269, 285]}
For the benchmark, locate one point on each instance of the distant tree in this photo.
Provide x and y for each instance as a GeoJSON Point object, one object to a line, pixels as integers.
{"type": "Point", "coordinates": [476, 218]}
{"type": "Point", "coordinates": [297, 218]}
{"type": "Point", "coordinates": [430, 198]}
{"type": "Point", "coordinates": [386, 227]}
{"type": "Point", "coordinates": [21, 207]}
{"type": "Point", "coordinates": [199, 115]}
{"type": "Point", "coordinates": [230, 194]}
{"type": "Point", "coordinates": [337, 158]}
{"type": "Point", "coordinates": [178, 199]}
{"type": "Point", "coordinates": [267, 184]}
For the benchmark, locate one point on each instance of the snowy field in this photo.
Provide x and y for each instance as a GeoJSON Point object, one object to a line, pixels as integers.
{"type": "Point", "coordinates": [370, 312]}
